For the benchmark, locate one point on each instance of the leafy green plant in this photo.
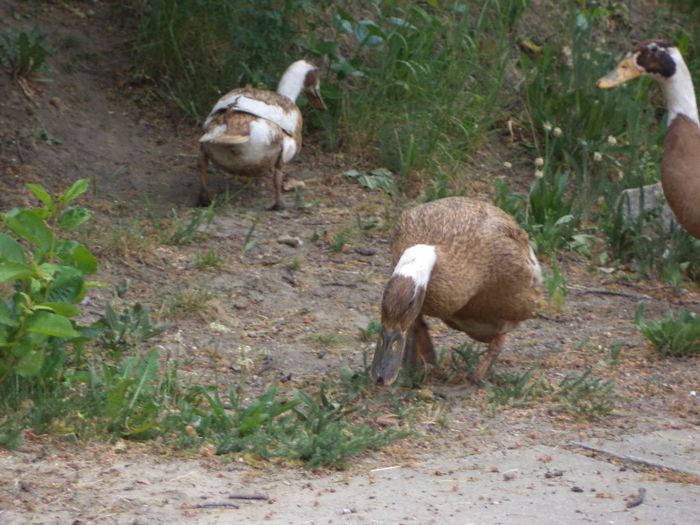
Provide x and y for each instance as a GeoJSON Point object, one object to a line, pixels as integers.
{"type": "Point", "coordinates": [324, 436]}
{"type": "Point", "coordinates": [379, 178]}
{"type": "Point", "coordinates": [675, 335]}
{"type": "Point", "coordinates": [46, 275]}
{"type": "Point", "coordinates": [126, 330]}
{"type": "Point", "coordinates": [24, 53]}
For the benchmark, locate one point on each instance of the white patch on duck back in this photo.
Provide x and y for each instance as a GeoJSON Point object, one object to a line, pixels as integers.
{"type": "Point", "coordinates": [536, 268]}
{"type": "Point", "coordinates": [417, 263]}
{"type": "Point", "coordinates": [213, 133]}
{"type": "Point", "coordinates": [287, 120]}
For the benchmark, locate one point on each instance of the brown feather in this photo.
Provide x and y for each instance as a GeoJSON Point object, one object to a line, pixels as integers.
{"type": "Point", "coordinates": [680, 172]}
{"type": "Point", "coordinates": [482, 273]}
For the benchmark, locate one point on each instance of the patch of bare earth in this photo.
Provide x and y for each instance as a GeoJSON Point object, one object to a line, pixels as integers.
{"type": "Point", "coordinates": [280, 290]}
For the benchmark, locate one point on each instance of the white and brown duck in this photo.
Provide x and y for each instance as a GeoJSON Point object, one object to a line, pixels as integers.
{"type": "Point", "coordinates": [680, 170]}
{"type": "Point", "coordinates": [465, 262]}
{"type": "Point", "coordinates": [256, 131]}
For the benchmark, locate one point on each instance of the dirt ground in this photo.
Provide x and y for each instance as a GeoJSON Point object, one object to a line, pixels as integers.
{"type": "Point", "coordinates": [298, 306]}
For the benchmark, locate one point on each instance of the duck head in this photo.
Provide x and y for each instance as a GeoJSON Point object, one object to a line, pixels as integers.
{"type": "Point", "coordinates": [401, 305]}
{"type": "Point", "coordinates": [302, 75]}
{"type": "Point", "coordinates": [655, 58]}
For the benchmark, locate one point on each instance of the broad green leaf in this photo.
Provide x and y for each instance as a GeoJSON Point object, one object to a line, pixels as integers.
{"type": "Point", "coordinates": [63, 309]}
{"type": "Point", "coordinates": [51, 324]}
{"type": "Point", "coordinates": [30, 364]}
{"type": "Point", "coordinates": [76, 190]}
{"type": "Point", "coordinates": [10, 271]}
{"type": "Point", "coordinates": [10, 249]}
{"type": "Point", "coordinates": [30, 226]}
{"type": "Point", "coordinates": [68, 285]}
{"type": "Point", "coordinates": [40, 193]}
{"type": "Point", "coordinates": [73, 217]}
{"type": "Point", "coordinates": [6, 317]}
{"type": "Point", "coordinates": [84, 260]}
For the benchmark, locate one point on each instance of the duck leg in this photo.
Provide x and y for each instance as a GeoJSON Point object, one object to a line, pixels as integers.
{"type": "Point", "coordinates": [204, 195]}
{"type": "Point", "coordinates": [419, 346]}
{"type": "Point", "coordinates": [277, 179]}
{"type": "Point", "coordinates": [495, 346]}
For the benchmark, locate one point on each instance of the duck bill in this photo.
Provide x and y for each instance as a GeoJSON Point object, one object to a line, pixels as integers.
{"type": "Point", "coordinates": [388, 356]}
{"type": "Point", "coordinates": [625, 70]}
{"type": "Point", "coordinates": [315, 99]}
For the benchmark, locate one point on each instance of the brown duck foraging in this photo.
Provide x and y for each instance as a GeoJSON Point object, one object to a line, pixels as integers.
{"type": "Point", "coordinates": [465, 262]}
{"type": "Point", "coordinates": [255, 131]}
{"type": "Point", "coordinates": [680, 170]}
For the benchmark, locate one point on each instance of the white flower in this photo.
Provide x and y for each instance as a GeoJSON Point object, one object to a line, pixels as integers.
{"type": "Point", "coordinates": [539, 162]}
{"type": "Point", "coordinates": [612, 140]}
{"type": "Point", "coordinates": [539, 174]}
{"type": "Point", "coordinates": [597, 157]}
{"type": "Point", "coordinates": [507, 165]}
{"type": "Point", "coordinates": [547, 126]}
{"type": "Point", "coordinates": [557, 132]}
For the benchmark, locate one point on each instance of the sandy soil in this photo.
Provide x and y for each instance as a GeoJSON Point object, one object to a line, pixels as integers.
{"type": "Point", "coordinates": [278, 300]}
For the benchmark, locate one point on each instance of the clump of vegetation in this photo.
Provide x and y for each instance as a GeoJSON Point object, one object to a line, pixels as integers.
{"type": "Point", "coordinates": [516, 389]}
{"type": "Point", "coordinates": [59, 376]}
{"type": "Point", "coordinates": [675, 335]}
{"type": "Point", "coordinates": [24, 53]}
{"type": "Point", "coordinates": [585, 396]}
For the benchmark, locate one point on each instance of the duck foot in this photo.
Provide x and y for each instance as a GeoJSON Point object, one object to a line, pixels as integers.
{"type": "Point", "coordinates": [291, 184]}
{"type": "Point", "coordinates": [204, 200]}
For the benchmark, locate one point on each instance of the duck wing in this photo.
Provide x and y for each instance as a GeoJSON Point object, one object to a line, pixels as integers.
{"type": "Point", "coordinates": [260, 103]}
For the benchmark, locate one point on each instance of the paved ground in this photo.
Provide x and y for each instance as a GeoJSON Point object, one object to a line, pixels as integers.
{"type": "Point", "coordinates": [531, 485]}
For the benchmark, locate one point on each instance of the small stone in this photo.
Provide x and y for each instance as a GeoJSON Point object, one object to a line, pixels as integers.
{"type": "Point", "coordinates": [365, 250]}
{"type": "Point", "coordinates": [294, 242]}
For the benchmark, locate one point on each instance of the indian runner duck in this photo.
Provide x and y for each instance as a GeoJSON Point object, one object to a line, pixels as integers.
{"type": "Point", "coordinates": [254, 131]}
{"type": "Point", "coordinates": [465, 262]}
{"type": "Point", "coordinates": [680, 170]}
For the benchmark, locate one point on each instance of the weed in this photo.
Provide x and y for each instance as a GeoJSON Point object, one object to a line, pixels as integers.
{"type": "Point", "coordinates": [516, 389]}
{"type": "Point", "coordinates": [128, 329]}
{"type": "Point", "coordinates": [556, 285]}
{"type": "Point", "coordinates": [178, 230]}
{"type": "Point", "coordinates": [675, 335]}
{"type": "Point", "coordinates": [340, 239]}
{"type": "Point", "coordinates": [465, 359]}
{"type": "Point", "coordinates": [186, 302]}
{"type": "Point", "coordinates": [585, 396]}
{"type": "Point", "coordinates": [295, 263]}
{"type": "Point", "coordinates": [249, 241]}
{"type": "Point", "coordinates": [613, 354]}
{"type": "Point", "coordinates": [332, 339]}
{"type": "Point", "coordinates": [379, 178]}
{"type": "Point", "coordinates": [208, 259]}
{"type": "Point", "coordinates": [24, 53]}
{"type": "Point", "coordinates": [372, 331]}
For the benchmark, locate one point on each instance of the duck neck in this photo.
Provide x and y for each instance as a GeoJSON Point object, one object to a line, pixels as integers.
{"type": "Point", "coordinates": [292, 81]}
{"type": "Point", "coordinates": [680, 93]}
{"type": "Point", "coordinates": [417, 263]}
